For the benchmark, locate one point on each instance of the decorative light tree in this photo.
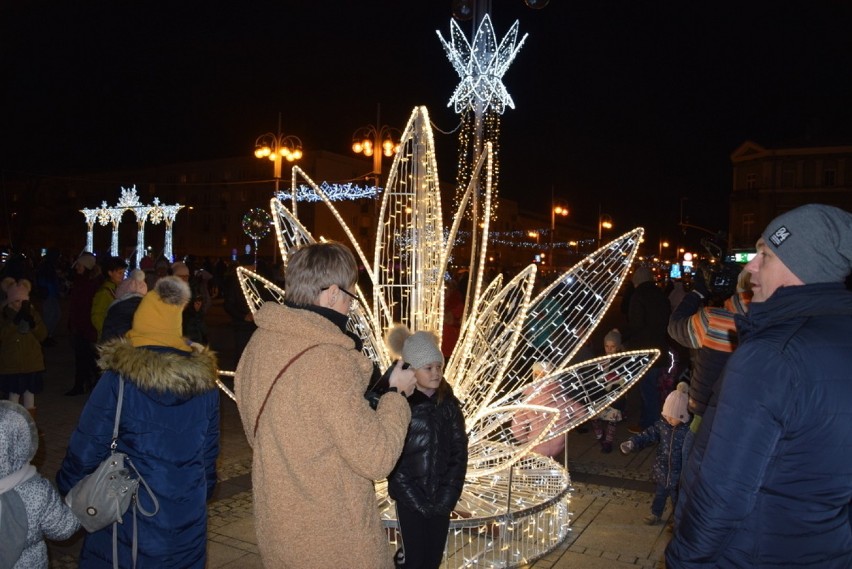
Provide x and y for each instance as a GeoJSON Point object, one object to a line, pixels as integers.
{"type": "Point", "coordinates": [480, 99]}
{"type": "Point", "coordinates": [514, 507]}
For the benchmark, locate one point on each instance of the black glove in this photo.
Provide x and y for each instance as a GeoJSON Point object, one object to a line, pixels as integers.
{"type": "Point", "coordinates": [699, 285]}
{"type": "Point", "coordinates": [24, 315]}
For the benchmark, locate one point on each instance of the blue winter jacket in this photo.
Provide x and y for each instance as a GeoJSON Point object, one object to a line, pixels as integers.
{"type": "Point", "coordinates": [773, 485]}
{"type": "Point", "coordinates": [667, 464]}
{"type": "Point", "coordinates": [170, 430]}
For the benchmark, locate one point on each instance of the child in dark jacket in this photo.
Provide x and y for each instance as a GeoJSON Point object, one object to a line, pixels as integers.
{"type": "Point", "coordinates": [669, 432]}
{"type": "Point", "coordinates": [119, 316]}
{"type": "Point", "coordinates": [428, 479]}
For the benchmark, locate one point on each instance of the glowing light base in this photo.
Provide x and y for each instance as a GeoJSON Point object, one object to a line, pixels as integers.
{"type": "Point", "coordinates": [519, 515]}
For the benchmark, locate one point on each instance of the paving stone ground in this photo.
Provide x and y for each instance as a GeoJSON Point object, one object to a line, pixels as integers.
{"type": "Point", "coordinates": [612, 492]}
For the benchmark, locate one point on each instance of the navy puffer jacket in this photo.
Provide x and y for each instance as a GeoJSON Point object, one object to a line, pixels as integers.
{"type": "Point", "coordinates": [774, 483]}
{"type": "Point", "coordinates": [170, 430]}
{"type": "Point", "coordinates": [429, 476]}
{"type": "Point", "coordinates": [667, 464]}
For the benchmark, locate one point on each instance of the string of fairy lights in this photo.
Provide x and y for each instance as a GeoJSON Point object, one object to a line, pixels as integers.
{"type": "Point", "coordinates": [335, 192]}
{"type": "Point", "coordinates": [467, 149]}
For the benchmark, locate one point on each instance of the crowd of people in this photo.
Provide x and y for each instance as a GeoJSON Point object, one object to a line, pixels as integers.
{"type": "Point", "coordinates": [754, 453]}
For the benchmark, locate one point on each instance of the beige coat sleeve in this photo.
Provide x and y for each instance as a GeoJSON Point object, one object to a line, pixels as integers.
{"type": "Point", "coordinates": [370, 442]}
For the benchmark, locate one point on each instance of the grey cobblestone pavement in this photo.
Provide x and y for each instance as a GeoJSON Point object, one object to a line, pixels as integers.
{"type": "Point", "coordinates": [612, 492]}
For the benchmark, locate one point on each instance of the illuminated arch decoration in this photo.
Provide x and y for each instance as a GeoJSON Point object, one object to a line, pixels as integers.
{"type": "Point", "coordinates": [515, 504]}
{"type": "Point", "coordinates": [156, 213]}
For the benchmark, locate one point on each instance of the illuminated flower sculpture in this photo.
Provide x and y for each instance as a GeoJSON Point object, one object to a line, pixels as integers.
{"type": "Point", "coordinates": [514, 507]}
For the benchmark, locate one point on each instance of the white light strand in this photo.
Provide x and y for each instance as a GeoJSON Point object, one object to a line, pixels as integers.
{"type": "Point", "coordinates": [335, 192]}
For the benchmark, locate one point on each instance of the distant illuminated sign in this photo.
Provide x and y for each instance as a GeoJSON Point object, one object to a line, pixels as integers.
{"type": "Point", "coordinates": [742, 257]}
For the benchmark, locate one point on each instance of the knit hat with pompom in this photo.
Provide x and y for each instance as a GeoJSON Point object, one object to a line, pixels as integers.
{"type": "Point", "coordinates": [158, 320]}
{"type": "Point", "coordinates": [419, 349]}
{"type": "Point", "coordinates": [676, 403]}
{"type": "Point", "coordinates": [15, 290]}
{"type": "Point", "coordinates": [134, 284]}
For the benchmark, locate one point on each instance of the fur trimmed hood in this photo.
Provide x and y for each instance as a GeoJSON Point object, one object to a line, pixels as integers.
{"type": "Point", "coordinates": [161, 369]}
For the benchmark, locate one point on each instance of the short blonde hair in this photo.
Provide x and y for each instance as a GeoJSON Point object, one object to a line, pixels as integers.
{"type": "Point", "coordinates": [311, 268]}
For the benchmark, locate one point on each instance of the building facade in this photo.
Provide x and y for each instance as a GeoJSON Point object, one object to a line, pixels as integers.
{"type": "Point", "coordinates": [770, 181]}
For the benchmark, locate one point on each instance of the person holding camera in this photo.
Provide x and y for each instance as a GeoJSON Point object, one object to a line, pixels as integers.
{"type": "Point", "coordinates": [704, 323]}
{"type": "Point", "coordinates": [774, 484]}
{"type": "Point", "coordinates": [318, 446]}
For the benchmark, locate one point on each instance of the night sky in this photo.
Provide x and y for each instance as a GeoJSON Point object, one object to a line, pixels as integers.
{"type": "Point", "coordinates": [626, 106]}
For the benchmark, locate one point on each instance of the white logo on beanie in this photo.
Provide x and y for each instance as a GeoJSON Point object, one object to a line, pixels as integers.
{"type": "Point", "coordinates": [781, 234]}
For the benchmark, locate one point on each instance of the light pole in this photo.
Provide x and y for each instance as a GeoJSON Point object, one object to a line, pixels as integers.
{"type": "Point", "coordinates": [663, 245]}
{"type": "Point", "coordinates": [604, 222]}
{"type": "Point", "coordinates": [535, 234]}
{"type": "Point", "coordinates": [554, 211]}
{"type": "Point", "coordinates": [276, 147]}
{"type": "Point", "coordinates": [376, 141]}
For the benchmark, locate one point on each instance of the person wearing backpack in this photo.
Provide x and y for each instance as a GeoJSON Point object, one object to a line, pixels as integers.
{"type": "Point", "coordinates": [30, 507]}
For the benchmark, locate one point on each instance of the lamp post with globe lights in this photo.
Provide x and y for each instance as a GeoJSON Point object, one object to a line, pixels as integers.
{"type": "Point", "coordinates": [376, 141]}
{"type": "Point", "coordinates": [555, 210]}
{"type": "Point", "coordinates": [279, 147]}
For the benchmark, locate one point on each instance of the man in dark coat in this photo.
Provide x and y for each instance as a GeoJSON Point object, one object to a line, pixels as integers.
{"type": "Point", "coordinates": [774, 486]}
{"type": "Point", "coordinates": [648, 320]}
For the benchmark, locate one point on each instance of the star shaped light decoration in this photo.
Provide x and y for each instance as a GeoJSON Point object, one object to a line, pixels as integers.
{"type": "Point", "coordinates": [481, 66]}
{"type": "Point", "coordinates": [514, 507]}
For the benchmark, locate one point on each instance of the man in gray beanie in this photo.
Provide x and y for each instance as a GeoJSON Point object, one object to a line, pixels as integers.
{"type": "Point", "coordinates": [774, 485]}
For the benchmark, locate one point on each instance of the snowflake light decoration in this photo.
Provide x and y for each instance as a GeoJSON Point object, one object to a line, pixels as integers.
{"type": "Point", "coordinates": [514, 507]}
{"type": "Point", "coordinates": [481, 66]}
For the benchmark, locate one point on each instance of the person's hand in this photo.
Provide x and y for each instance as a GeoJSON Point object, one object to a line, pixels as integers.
{"type": "Point", "coordinates": [626, 447]}
{"type": "Point", "coordinates": [402, 379]}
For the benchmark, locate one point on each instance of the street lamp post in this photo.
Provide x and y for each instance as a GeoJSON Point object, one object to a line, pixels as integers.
{"type": "Point", "coordinates": [663, 245]}
{"type": "Point", "coordinates": [276, 147]}
{"type": "Point", "coordinates": [604, 222]}
{"type": "Point", "coordinates": [554, 211]}
{"type": "Point", "coordinates": [376, 140]}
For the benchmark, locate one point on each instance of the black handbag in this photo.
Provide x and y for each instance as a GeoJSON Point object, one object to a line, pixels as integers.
{"type": "Point", "coordinates": [104, 496]}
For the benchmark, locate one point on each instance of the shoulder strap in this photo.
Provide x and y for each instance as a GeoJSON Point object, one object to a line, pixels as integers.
{"type": "Point", "coordinates": [274, 381]}
{"type": "Point", "coordinates": [117, 413]}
